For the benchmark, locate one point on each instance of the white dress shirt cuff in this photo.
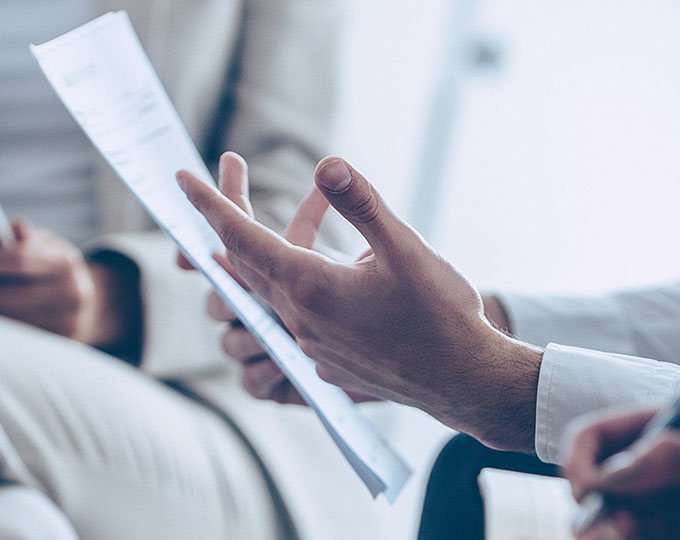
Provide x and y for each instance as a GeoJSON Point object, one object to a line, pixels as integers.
{"type": "Point", "coordinates": [576, 381]}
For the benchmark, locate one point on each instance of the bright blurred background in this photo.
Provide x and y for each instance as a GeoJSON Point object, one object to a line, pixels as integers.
{"type": "Point", "coordinates": [559, 124]}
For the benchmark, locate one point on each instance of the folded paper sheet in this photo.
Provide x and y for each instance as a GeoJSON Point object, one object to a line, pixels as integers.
{"type": "Point", "coordinates": [521, 506]}
{"type": "Point", "coordinates": [106, 81]}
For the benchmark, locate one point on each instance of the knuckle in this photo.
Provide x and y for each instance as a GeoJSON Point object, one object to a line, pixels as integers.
{"type": "Point", "coordinates": [230, 232]}
{"type": "Point", "coordinates": [366, 208]}
{"type": "Point", "coordinates": [306, 346]}
{"type": "Point", "coordinates": [227, 233]}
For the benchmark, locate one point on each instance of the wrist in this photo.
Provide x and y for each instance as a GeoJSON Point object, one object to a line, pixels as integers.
{"type": "Point", "coordinates": [493, 388]}
{"type": "Point", "coordinates": [105, 326]}
{"type": "Point", "coordinates": [520, 404]}
{"type": "Point", "coordinates": [117, 321]}
{"type": "Point", "coordinates": [511, 394]}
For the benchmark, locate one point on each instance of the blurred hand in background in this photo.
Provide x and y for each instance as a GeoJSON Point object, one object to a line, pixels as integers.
{"type": "Point", "coordinates": [46, 281]}
{"type": "Point", "coordinates": [646, 486]}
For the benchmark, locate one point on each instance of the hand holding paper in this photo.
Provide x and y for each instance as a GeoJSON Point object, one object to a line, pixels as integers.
{"type": "Point", "coordinates": [259, 374]}
{"type": "Point", "coordinates": [400, 323]}
{"type": "Point", "coordinates": [348, 317]}
{"type": "Point", "coordinates": [104, 78]}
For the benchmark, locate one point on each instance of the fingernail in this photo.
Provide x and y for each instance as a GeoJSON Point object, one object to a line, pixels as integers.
{"type": "Point", "coordinates": [335, 175]}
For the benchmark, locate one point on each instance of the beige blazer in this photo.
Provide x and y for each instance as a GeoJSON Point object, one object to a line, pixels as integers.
{"type": "Point", "coordinates": [254, 76]}
{"type": "Point", "coordinates": [273, 63]}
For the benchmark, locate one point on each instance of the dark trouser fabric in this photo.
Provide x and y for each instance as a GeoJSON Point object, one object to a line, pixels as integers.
{"type": "Point", "coordinates": [453, 503]}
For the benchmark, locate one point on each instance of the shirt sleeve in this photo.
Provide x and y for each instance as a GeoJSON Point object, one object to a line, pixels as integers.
{"type": "Point", "coordinates": [178, 338]}
{"type": "Point", "coordinates": [641, 322]}
{"type": "Point", "coordinates": [575, 381]}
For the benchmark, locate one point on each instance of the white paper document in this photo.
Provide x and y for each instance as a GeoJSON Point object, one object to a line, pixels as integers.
{"type": "Point", "coordinates": [106, 81]}
{"type": "Point", "coordinates": [521, 506]}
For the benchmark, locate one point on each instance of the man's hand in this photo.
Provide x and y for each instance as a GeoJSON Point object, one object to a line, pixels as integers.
{"type": "Point", "coordinates": [259, 375]}
{"type": "Point", "coordinates": [45, 281]}
{"type": "Point", "coordinates": [646, 485]}
{"type": "Point", "coordinates": [401, 323]}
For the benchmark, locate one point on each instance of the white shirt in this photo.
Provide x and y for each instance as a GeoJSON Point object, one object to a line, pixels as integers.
{"type": "Point", "coordinates": [573, 381]}
{"type": "Point", "coordinates": [47, 166]}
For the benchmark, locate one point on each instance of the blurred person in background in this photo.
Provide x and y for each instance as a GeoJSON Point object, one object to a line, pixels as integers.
{"type": "Point", "coordinates": [645, 484]}
{"type": "Point", "coordinates": [90, 448]}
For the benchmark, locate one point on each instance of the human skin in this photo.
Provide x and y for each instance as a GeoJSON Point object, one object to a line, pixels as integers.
{"type": "Point", "coordinates": [400, 323]}
{"type": "Point", "coordinates": [645, 483]}
{"type": "Point", "coordinates": [260, 376]}
{"type": "Point", "coordinates": [46, 281]}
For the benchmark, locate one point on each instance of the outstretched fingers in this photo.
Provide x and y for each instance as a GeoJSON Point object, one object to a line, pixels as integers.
{"type": "Point", "coordinates": [260, 248]}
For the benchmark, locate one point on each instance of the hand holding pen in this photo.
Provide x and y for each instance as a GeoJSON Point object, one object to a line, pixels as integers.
{"type": "Point", "coordinates": [625, 472]}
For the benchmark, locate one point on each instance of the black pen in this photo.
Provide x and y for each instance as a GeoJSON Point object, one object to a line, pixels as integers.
{"type": "Point", "coordinates": [598, 506]}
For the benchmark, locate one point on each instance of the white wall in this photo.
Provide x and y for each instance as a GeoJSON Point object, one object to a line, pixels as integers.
{"type": "Point", "coordinates": [564, 173]}
{"type": "Point", "coordinates": [393, 53]}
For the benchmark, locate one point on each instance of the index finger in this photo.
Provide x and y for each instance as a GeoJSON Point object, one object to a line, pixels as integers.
{"type": "Point", "coordinates": [245, 238]}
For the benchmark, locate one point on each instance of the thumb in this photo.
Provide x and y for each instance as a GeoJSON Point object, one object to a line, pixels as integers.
{"type": "Point", "coordinates": [359, 203]}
